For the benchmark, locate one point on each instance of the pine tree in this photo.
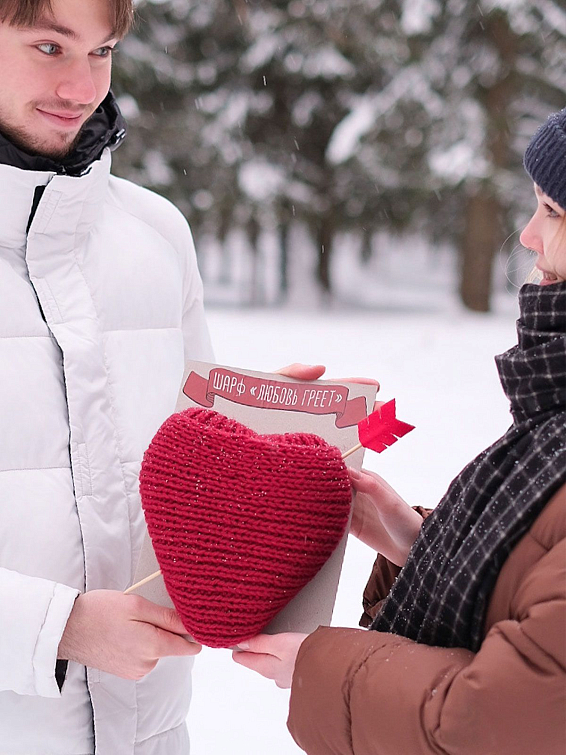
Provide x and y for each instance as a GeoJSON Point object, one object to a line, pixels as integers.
{"type": "Point", "coordinates": [359, 114]}
{"type": "Point", "coordinates": [456, 116]}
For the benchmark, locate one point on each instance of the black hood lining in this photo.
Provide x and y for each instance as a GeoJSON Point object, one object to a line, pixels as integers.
{"type": "Point", "coordinates": [105, 128]}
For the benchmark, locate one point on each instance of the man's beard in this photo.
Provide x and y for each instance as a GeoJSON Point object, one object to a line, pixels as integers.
{"type": "Point", "coordinates": [32, 145]}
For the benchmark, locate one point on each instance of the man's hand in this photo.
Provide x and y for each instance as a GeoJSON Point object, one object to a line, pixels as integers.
{"type": "Point", "coordinates": [381, 518]}
{"type": "Point", "coordinates": [122, 634]}
{"type": "Point", "coordinates": [272, 656]}
{"type": "Point", "coordinates": [302, 371]}
{"type": "Point", "coordinates": [315, 371]}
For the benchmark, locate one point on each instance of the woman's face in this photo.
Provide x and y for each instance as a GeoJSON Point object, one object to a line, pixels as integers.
{"type": "Point", "coordinates": [545, 234]}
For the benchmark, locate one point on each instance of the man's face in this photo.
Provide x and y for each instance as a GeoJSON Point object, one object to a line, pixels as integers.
{"type": "Point", "coordinates": [55, 75]}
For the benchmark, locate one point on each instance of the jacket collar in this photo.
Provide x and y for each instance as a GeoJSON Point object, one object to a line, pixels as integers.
{"type": "Point", "coordinates": [105, 128]}
{"type": "Point", "coordinates": [78, 181]}
{"type": "Point", "coordinates": [68, 208]}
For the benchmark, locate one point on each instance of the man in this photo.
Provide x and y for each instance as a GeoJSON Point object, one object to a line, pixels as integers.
{"type": "Point", "coordinates": [100, 306]}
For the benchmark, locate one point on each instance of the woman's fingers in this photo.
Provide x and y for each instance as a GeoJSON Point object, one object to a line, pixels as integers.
{"type": "Point", "coordinates": [364, 481]}
{"type": "Point", "coordinates": [272, 656]}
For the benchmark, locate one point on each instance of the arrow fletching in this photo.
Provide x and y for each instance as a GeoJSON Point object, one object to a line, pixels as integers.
{"type": "Point", "coordinates": [382, 429]}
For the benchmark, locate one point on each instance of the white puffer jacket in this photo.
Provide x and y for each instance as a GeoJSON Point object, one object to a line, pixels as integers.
{"type": "Point", "coordinates": [100, 306]}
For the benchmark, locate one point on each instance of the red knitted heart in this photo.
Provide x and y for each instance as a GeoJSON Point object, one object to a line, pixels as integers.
{"type": "Point", "coordinates": [240, 522]}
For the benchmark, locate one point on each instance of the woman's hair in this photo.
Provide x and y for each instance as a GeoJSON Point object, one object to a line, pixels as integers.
{"type": "Point", "coordinates": [26, 13]}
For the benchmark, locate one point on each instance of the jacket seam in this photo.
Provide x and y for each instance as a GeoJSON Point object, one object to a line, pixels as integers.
{"type": "Point", "coordinates": [46, 336]}
{"type": "Point", "coordinates": [145, 223]}
{"type": "Point", "coordinates": [160, 734]}
{"type": "Point", "coordinates": [113, 413]}
{"type": "Point", "coordinates": [545, 547]}
{"type": "Point", "coordinates": [33, 469]}
{"type": "Point", "coordinates": [110, 330]}
{"type": "Point", "coordinates": [118, 448]}
{"type": "Point", "coordinates": [356, 671]}
{"type": "Point", "coordinates": [37, 640]}
{"type": "Point", "coordinates": [552, 658]}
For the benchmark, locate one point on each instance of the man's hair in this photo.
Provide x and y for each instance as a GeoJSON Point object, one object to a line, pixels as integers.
{"type": "Point", "coordinates": [26, 13]}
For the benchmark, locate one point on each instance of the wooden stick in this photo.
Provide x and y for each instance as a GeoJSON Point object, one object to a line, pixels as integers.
{"type": "Point", "coordinates": [143, 582]}
{"type": "Point", "coordinates": [352, 450]}
{"type": "Point", "coordinates": [157, 573]}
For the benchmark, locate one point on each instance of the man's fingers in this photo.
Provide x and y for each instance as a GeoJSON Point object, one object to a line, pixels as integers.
{"type": "Point", "coordinates": [159, 616]}
{"type": "Point", "coordinates": [302, 371]}
{"type": "Point", "coordinates": [316, 371]}
{"type": "Point", "coordinates": [172, 644]}
{"type": "Point", "coordinates": [360, 380]}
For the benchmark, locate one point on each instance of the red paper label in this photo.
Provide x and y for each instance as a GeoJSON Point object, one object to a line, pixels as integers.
{"type": "Point", "coordinates": [262, 393]}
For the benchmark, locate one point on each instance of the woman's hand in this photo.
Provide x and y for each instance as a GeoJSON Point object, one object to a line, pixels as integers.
{"type": "Point", "coordinates": [271, 655]}
{"type": "Point", "coordinates": [381, 518]}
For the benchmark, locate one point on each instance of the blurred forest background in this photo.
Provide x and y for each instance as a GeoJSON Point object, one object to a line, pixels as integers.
{"type": "Point", "coordinates": [311, 143]}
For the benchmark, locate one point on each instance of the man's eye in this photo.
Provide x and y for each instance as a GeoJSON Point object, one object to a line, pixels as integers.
{"type": "Point", "coordinates": [48, 48]}
{"type": "Point", "coordinates": [103, 52]}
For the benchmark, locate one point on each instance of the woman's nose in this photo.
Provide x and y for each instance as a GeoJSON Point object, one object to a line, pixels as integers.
{"type": "Point", "coordinates": [530, 237]}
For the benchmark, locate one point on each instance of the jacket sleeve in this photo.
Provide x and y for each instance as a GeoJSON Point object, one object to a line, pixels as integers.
{"type": "Point", "coordinates": [33, 616]}
{"type": "Point", "coordinates": [372, 693]}
{"type": "Point", "coordinates": [195, 330]}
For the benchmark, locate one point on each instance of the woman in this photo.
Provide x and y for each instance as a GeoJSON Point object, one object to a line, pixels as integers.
{"type": "Point", "coordinates": [467, 653]}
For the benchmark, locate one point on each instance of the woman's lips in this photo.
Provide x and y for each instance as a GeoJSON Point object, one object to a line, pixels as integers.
{"type": "Point", "coordinates": [548, 278]}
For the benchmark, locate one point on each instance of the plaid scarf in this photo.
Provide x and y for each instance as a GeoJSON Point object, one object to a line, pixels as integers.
{"type": "Point", "coordinates": [441, 595]}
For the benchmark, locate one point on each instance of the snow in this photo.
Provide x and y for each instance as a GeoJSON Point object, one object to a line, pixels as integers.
{"type": "Point", "coordinates": [418, 16]}
{"type": "Point", "coordinates": [327, 63]}
{"type": "Point", "coordinates": [458, 162]}
{"type": "Point", "coordinates": [157, 171]}
{"type": "Point", "coordinates": [261, 180]}
{"type": "Point", "coordinates": [438, 364]}
{"type": "Point", "coordinates": [261, 52]}
{"type": "Point", "coordinates": [366, 111]}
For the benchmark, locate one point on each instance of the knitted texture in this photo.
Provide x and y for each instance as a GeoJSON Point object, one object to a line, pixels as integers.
{"type": "Point", "coordinates": [240, 522]}
{"type": "Point", "coordinates": [545, 158]}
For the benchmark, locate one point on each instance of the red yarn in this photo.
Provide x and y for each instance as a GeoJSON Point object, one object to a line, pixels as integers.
{"type": "Point", "coordinates": [240, 522]}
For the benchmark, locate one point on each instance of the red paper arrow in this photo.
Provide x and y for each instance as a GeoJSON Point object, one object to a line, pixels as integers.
{"type": "Point", "coordinates": [380, 429]}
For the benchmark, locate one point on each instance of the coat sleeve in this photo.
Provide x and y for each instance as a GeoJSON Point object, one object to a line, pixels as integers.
{"type": "Point", "coordinates": [371, 693]}
{"type": "Point", "coordinates": [195, 330]}
{"type": "Point", "coordinates": [33, 616]}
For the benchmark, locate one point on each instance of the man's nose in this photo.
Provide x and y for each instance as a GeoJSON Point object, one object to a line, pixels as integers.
{"type": "Point", "coordinates": [77, 84]}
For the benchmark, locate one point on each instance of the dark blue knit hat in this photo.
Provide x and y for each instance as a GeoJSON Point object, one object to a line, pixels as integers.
{"type": "Point", "coordinates": [545, 158]}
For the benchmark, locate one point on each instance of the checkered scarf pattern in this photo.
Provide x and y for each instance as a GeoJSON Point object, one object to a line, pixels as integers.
{"type": "Point", "coordinates": [441, 595]}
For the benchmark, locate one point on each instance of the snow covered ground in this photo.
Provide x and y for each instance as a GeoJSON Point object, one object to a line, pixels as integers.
{"type": "Point", "coordinates": [439, 366]}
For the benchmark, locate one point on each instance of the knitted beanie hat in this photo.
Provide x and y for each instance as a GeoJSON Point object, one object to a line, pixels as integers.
{"type": "Point", "coordinates": [545, 157]}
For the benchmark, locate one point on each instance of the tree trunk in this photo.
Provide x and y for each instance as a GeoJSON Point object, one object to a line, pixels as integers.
{"type": "Point", "coordinates": [481, 241]}
{"type": "Point", "coordinates": [484, 228]}
{"type": "Point", "coordinates": [283, 261]}
{"type": "Point", "coordinates": [256, 294]}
